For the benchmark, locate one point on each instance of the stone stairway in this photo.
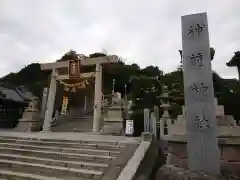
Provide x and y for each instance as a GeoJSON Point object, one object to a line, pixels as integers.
{"type": "Point", "coordinates": [31, 157]}
{"type": "Point", "coordinates": [77, 124]}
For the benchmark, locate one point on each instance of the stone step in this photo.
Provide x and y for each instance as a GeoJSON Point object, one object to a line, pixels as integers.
{"type": "Point", "coordinates": [57, 155]}
{"type": "Point", "coordinates": [60, 149]}
{"type": "Point", "coordinates": [44, 156]}
{"type": "Point", "coordinates": [54, 162]}
{"type": "Point", "coordinates": [47, 170]}
{"type": "Point", "coordinates": [73, 129]}
{"type": "Point", "coordinates": [10, 175]}
{"type": "Point", "coordinates": [113, 143]}
{"type": "Point", "coordinates": [77, 130]}
{"type": "Point", "coordinates": [79, 121]}
{"type": "Point", "coordinates": [85, 145]}
{"type": "Point", "coordinates": [86, 123]}
{"type": "Point", "coordinates": [87, 118]}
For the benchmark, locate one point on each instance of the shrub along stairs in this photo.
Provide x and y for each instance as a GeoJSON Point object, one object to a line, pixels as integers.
{"type": "Point", "coordinates": [63, 156]}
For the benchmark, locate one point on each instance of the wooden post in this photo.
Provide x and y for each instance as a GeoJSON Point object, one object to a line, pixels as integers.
{"type": "Point", "coordinates": [203, 155]}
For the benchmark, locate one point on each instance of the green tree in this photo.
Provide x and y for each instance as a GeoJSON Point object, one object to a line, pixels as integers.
{"type": "Point", "coordinates": [139, 81]}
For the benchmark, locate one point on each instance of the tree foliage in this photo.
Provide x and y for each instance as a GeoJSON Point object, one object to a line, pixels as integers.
{"type": "Point", "coordinates": [30, 76]}
{"type": "Point", "coordinates": [142, 84]}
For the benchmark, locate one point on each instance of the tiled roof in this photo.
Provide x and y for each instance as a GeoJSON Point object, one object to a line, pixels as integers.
{"type": "Point", "coordinates": [235, 61]}
{"type": "Point", "coordinates": [25, 93]}
{"type": "Point", "coordinates": [11, 94]}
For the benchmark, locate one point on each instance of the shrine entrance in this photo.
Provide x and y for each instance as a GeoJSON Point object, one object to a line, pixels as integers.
{"type": "Point", "coordinates": [73, 75]}
{"type": "Point", "coordinates": [75, 94]}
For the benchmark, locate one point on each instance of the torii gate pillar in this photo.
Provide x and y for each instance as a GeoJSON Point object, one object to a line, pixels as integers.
{"type": "Point", "coordinates": [50, 102]}
{"type": "Point", "coordinates": [97, 98]}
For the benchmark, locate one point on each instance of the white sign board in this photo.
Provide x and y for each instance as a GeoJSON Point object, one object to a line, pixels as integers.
{"type": "Point", "coordinates": [201, 127]}
{"type": "Point", "coordinates": [129, 127]}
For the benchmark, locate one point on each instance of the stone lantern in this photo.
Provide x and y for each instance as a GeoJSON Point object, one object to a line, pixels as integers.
{"type": "Point", "coordinates": [165, 120]}
{"type": "Point", "coordinates": [30, 120]}
{"type": "Point", "coordinates": [235, 62]}
{"type": "Point", "coordinates": [165, 102]}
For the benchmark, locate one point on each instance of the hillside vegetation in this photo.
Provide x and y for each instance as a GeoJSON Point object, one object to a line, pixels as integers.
{"type": "Point", "coordinates": [143, 85]}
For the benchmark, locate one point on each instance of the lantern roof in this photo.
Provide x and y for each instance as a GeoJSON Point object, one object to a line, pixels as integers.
{"type": "Point", "coordinates": [235, 61]}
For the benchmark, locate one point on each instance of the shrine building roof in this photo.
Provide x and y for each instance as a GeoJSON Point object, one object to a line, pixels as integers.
{"type": "Point", "coordinates": [12, 94]}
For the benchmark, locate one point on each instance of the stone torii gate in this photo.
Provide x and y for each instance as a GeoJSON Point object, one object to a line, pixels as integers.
{"type": "Point", "coordinates": [56, 69]}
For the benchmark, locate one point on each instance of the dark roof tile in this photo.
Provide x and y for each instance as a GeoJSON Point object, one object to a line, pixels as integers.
{"type": "Point", "coordinates": [11, 94]}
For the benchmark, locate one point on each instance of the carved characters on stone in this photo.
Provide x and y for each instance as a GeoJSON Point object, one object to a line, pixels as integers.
{"type": "Point", "coordinates": [199, 90]}
{"type": "Point", "coordinates": [199, 95]}
{"type": "Point", "coordinates": [201, 123]}
{"type": "Point", "coordinates": [195, 29]}
{"type": "Point", "coordinates": [196, 60]}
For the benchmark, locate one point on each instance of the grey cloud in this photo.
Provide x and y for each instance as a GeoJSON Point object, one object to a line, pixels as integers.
{"type": "Point", "coordinates": [141, 32]}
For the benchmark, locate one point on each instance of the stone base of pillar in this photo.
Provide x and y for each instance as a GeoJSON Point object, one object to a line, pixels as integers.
{"type": "Point", "coordinates": [27, 125]}
{"type": "Point", "coordinates": [30, 120]}
{"type": "Point", "coordinates": [147, 136]}
{"type": "Point", "coordinates": [113, 128]}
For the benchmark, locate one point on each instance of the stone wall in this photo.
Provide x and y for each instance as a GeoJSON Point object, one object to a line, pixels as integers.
{"type": "Point", "coordinates": [169, 172]}
{"type": "Point", "coordinates": [229, 154]}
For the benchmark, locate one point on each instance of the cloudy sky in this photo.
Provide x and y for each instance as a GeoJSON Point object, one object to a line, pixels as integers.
{"type": "Point", "coordinates": [140, 31]}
